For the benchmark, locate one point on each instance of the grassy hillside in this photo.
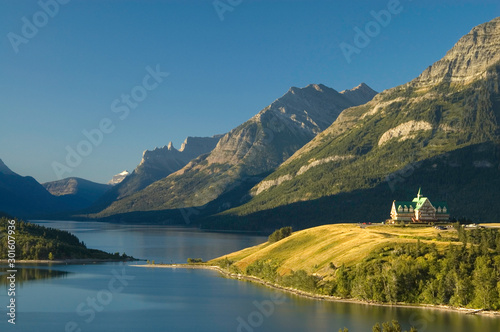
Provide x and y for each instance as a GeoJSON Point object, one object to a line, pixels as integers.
{"type": "Point", "coordinates": [313, 249]}
{"type": "Point", "coordinates": [387, 264]}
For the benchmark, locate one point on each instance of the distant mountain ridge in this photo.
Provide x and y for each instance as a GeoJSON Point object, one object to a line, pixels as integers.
{"type": "Point", "coordinates": [155, 165]}
{"type": "Point", "coordinates": [168, 159]}
{"type": "Point", "coordinates": [245, 153]}
{"type": "Point", "coordinates": [84, 189]}
{"type": "Point", "coordinates": [25, 197]}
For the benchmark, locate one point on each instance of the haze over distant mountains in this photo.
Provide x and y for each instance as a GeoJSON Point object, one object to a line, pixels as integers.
{"type": "Point", "coordinates": [246, 153]}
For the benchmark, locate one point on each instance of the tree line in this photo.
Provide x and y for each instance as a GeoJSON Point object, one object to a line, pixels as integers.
{"type": "Point", "coordinates": [35, 242]}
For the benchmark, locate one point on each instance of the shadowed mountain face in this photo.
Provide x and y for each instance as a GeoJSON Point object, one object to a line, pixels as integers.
{"type": "Point", "coordinates": [247, 152]}
{"type": "Point", "coordinates": [4, 169]}
{"type": "Point", "coordinates": [23, 196]}
{"type": "Point", "coordinates": [375, 152]}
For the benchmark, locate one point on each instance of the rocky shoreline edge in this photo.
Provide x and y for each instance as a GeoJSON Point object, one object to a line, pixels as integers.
{"type": "Point", "coordinates": [305, 294]}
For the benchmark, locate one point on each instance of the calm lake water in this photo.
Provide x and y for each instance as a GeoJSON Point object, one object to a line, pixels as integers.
{"type": "Point", "coordinates": [119, 297]}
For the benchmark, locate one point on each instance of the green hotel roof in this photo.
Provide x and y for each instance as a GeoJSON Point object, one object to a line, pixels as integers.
{"type": "Point", "coordinates": [418, 201]}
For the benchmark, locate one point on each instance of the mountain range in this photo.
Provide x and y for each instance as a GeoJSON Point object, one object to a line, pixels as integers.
{"type": "Point", "coordinates": [25, 197]}
{"type": "Point", "coordinates": [155, 165]}
{"type": "Point", "coordinates": [161, 162]}
{"type": "Point", "coordinates": [246, 154]}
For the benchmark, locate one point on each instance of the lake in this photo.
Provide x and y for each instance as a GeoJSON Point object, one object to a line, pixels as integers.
{"type": "Point", "coordinates": [120, 297]}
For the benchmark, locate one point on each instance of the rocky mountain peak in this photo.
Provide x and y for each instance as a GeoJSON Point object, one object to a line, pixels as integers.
{"type": "Point", "coordinates": [301, 113]}
{"type": "Point", "coordinates": [317, 87]}
{"type": "Point", "coordinates": [469, 59]}
{"type": "Point", "coordinates": [359, 95]}
{"type": "Point", "coordinates": [157, 164]}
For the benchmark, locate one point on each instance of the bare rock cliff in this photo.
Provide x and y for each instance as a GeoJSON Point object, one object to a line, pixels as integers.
{"type": "Point", "coordinates": [468, 59]}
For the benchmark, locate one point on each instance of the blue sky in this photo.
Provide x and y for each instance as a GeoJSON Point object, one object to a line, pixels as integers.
{"type": "Point", "coordinates": [64, 77]}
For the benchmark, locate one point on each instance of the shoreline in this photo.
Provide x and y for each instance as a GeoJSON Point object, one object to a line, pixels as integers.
{"type": "Point", "coordinates": [466, 311]}
{"type": "Point", "coordinates": [68, 261]}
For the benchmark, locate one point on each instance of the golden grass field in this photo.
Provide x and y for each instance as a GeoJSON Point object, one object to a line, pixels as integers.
{"type": "Point", "coordinates": [313, 249]}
